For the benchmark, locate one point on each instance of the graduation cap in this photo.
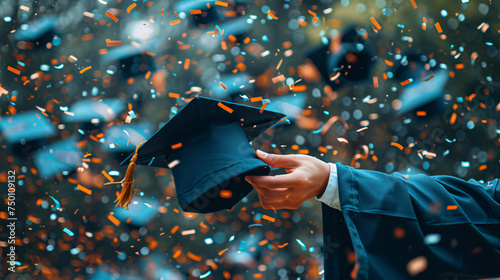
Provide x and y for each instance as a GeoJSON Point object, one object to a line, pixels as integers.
{"type": "Point", "coordinates": [424, 95]}
{"type": "Point", "coordinates": [122, 140]}
{"type": "Point", "coordinates": [94, 111]}
{"type": "Point", "coordinates": [143, 212]}
{"type": "Point", "coordinates": [133, 60]}
{"type": "Point", "coordinates": [38, 32]}
{"type": "Point", "coordinates": [59, 157]}
{"type": "Point", "coordinates": [206, 146]}
{"type": "Point", "coordinates": [26, 132]}
{"type": "Point", "coordinates": [291, 105]}
{"type": "Point", "coordinates": [346, 59]}
{"type": "Point", "coordinates": [411, 66]}
{"type": "Point", "coordinates": [204, 14]}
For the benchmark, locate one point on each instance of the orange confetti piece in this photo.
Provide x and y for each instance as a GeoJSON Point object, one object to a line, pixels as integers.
{"type": "Point", "coordinates": [193, 257]}
{"type": "Point", "coordinates": [272, 15]}
{"type": "Point", "coordinates": [263, 107]}
{"type": "Point", "coordinates": [225, 194]}
{"type": "Point", "coordinates": [223, 85]}
{"type": "Point", "coordinates": [131, 7]}
{"type": "Point", "coordinates": [413, 4]}
{"type": "Point", "coordinates": [256, 99]}
{"type": "Point", "coordinates": [459, 66]}
{"type": "Point", "coordinates": [177, 254]}
{"type": "Point", "coordinates": [421, 113]}
{"type": "Point", "coordinates": [375, 82]}
{"type": "Point", "coordinates": [174, 229]}
{"type": "Point", "coordinates": [148, 74]}
{"type": "Point", "coordinates": [13, 70]}
{"type": "Point", "coordinates": [85, 69]}
{"type": "Point", "coordinates": [173, 95]}
{"type": "Point", "coordinates": [229, 110]}
{"type": "Point", "coordinates": [222, 252]}
{"type": "Point", "coordinates": [186, 64]}
{"type": "Point", "coordinates": [109, 14]}
{"type": "Point", "coordinates": [428, 79]}
{"type": "Point", "coordinates": [397, 145]}
{"type": "Point", "coordinates": [282, 246]}
{"type": "Point", "coordinates": [389, 63]}
{"type": "Point", "coordinates": [220, 3]}
{"type": "Point", "coordinates": [107, 176]}
{"type": "Point", "coordinates": [266, 217]}
{"type": "Point", "coordinates": [452, 207]}
{"type": "Point", "coordinates": [195, 12]}
{"type": "Point", "coordinates": [438, 27]}
{"type": "Point", "coordinates": [483, 167]}
{"type": "Point", "coordinates": [84, 189]}
{"type": "Point", "coordinates": [174, 22]}
{"type": "Point", "coordinates": [176, 146]}
{"type": "Point", "coordinates": [453, 118]}
{"type": "Point", "coordinates": [375, 22]}
{"type": "Point", "coordinates": [115, 43]}
{"type": "Point", "coordinates": [162, 11]}
{"type": "Point", "coordinates": [113, 220]}
{"type": "Point", "coordinates": [404, 83]}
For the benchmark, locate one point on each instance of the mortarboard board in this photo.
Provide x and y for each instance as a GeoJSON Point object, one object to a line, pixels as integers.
{"type": "Point", "coordinates": [39, 32]}
{"type": "Point", "coordinates": [291, 105]}
{"type": "Point", "coordinates": [141, 214]}
{"type": "Point", "coordinates": [133, 60]}
{"type": "Point", "coordinates": [93, 111]}
{"type": "Point", "coordinates": [206, 146]}
{"type": "Point", "coordinates": [351, 61]}
{"type": "Point", "coordinates": [27, 131]}
{"type": "Point", "coordinates": [205, 14]}
{"type": "Point", "coordinates": [59, 157]}
{"type": "Point", "coordinates": [422, 92]}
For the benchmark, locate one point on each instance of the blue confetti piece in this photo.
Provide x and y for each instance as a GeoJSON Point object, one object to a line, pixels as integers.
{"type": "Point", "coordinates": [231, 238]}
{"type": "Point", "coordinates": [319, 130]}
{"type": "Point", "coordinates": [69, 232]}
{"type": "Point", "coordinates": [132, 114]}
{"type": "Point", "coordinates": [114, 173]}
{"type": "Point", "coordinates": [58, 205]}
{"type": "Point", "coordinates": [401, 26]}
{"type": "Point", "coordinates": [205, 275]}
{"type": "Point", "coordinates": [265, 38]}
{"type": "Point", "coordinates": [21, 63]}
{"type": "Point", "coordinates": [301, 244]}
{"type": "Point", "coordinates": [465, 163]}
{"type": "Point", "coordinates": [59, 66]}
{"type": "Point", "coordinates": [242, 245]}
{"type": "Point", "coordinates": [81, 132]}
{"type": "Point", "coordinates": [151, 161]}
{"type": "Point", "coordinates": [254, 225]}
{"type": "Point", "coordinates": [208, 241]}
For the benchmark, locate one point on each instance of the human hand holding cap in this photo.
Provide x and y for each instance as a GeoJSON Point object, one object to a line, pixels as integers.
{"type": "Point", "coordinates": [307, 177]}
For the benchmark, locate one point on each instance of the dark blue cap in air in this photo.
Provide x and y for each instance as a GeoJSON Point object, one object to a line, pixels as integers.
{"type": "Point", "coordinates": [207, 147]}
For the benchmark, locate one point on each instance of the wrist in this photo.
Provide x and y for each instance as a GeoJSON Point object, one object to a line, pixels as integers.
{"type": "Point", "coordinates": [325, 176]}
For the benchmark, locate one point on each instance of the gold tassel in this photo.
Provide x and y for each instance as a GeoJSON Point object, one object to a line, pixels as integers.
{"type": "Point", "coordinates": [126, 194]}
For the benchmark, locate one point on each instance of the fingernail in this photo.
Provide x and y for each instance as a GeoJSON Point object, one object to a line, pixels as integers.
{"type": "Point", "coordinates": [261, 154]}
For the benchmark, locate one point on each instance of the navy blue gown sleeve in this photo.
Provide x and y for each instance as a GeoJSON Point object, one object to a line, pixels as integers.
{"type": "Point", "coordinates": [416, 227]}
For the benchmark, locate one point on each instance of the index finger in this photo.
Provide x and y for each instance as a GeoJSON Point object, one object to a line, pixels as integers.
{"type": "Point", "coordinates": [278, 181]}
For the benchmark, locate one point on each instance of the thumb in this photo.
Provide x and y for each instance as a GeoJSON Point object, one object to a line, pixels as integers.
{"type": "Point", "coordinates": [284, 161]}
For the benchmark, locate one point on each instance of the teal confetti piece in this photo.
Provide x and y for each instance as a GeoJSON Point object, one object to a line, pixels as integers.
{"type": "Point", "coordinates": [58, 205]}
{"type": "Point", "coordinates": [205, 275]}
{"type": "Point", "coordinates": [301, 244]}
{"type": "Point", "coordinates": [69, 232]}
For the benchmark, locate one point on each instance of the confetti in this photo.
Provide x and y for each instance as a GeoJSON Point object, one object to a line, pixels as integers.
{"type": "Point", "coordinates": [110, 15]}
{"type": "Point", "coordinates": [131, 7]}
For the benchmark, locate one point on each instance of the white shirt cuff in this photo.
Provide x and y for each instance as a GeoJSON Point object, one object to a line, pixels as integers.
{"type": "Point", "coordinates": [331, 195]}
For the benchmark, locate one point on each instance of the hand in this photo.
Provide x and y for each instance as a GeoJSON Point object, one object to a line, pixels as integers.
{"type": "Point", "coordinates": [307, 177]}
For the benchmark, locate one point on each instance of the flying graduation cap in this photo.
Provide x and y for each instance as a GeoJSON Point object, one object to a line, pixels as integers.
{"type": "Point", "coordinates": [93, 111]}
{"type": "Point", "coordinates": [58, 158]}
{"type": "Point", "coordinates": [346, 59]}
{"type": "Point", "coordinates": [39, 32]}
{"type": "Point", "coordinates": [206, 144]}
{"type": "Point", "coordinates": [424, 95]}
{"type": "Point", "coordinates": [26, 132]}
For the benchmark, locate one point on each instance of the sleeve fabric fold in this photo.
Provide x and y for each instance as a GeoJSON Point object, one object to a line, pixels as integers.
{"type": "Point", "coordinates": [416, 227]}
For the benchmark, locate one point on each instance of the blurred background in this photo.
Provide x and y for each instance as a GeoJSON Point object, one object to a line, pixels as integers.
{"type": "Point", "coordinates": [388, 85]}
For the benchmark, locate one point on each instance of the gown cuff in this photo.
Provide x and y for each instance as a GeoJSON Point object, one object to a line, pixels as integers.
{"type": "Point", "coordinates": [331, 195]}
